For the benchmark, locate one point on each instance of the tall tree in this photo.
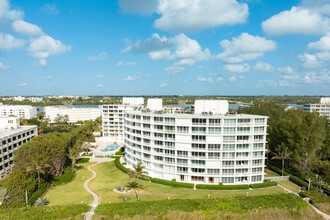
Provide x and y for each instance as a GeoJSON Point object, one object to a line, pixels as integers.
{"type": "Point", "coordinates": [282, 153]}
{"type": "Point", "coordinates": [39, 166]}
{"type": "Point", "coordinates": [138, 172]}
{"type": "Point", "coordinates": [74, 154]}
{"type": "Point", "coordinates": [133, 186]}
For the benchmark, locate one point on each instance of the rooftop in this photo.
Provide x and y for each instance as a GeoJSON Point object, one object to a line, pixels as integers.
{"type": "Point", "coordinates": [10, 132]}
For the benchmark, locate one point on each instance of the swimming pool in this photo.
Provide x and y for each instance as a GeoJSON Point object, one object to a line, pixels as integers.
{"type": "Point", "coordinates": [111, 147]}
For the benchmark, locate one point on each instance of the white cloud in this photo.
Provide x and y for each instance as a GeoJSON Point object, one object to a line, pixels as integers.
{"type": "Point", "coordinates": [288, 73]}
{"type": "Point", "coordinates": [196, 15]}
{"type": "Point", "coordinates": [245, 47]}
{"type": "Point", "coordinates": [9, 14]}
{"type": "Point", "coordinates": [164, 84]}
{"type": "Point", "coordinates": [22, 84]}
{"type": "Point", "coordinates": [25, 28]}
{"type": "Point", "coordinates": [322, 44]}
{"type": "Point", "coordinates": [283, 83]}
{"type": "Point", "coordinates": [50, 8]}
{"type": "Point", "coordinates": [99, 76]}
{"type": "Point", "coordinates": [205, 79]}
{"type": "Point", "coordinates": [266, 82]}
{"type": "Point", "coordinates": [100, 56]}
{"type": "Point", "coordinates": [129, 63]}
{"type": "Point", "coordinates": [232, 78]}
{"type": "Point", "coordinates": [307, 18]}
{"type": "Point", "coordinates": [317, 77]}
{"type": "Point", "coordinates": [99, 85]}
{"type": "Point", "coordinates": [219, 79]}
{"type": "Point", "coordinates": [45, 46]}
{"type": "Point", "coordinates": [173, 70]}
{"type": "Point", "coordinates": [310, 61]}
{"type": "Point", "coordinates": [128, 79]}
{"type": "Point", "coordinates": [237, 68]}
{"type": "Point", "coordinates": [187, 51]}
{"type": "Point", "coordinates": [3, 66]}
{"type": "Point", "coordinates": [263, 67]}
{"type": "Point", "coordinates": [287, 70]}
{"type": "Point", "coordinates": [9, 42]}
{"type": "Point", "coordinates": [48, 77]}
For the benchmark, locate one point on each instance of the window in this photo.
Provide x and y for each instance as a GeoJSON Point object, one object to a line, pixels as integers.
{"type": "Point", "coordinates": [259, 129]}
{"type": "Point", "coordinates": [242, 146]}
{"type": "Point", "coordinates": [241, 130]}
{"type": "Point", "coordinates": [197, 170]}
{"type": "Point", "coordinates": [259, 121]}
{"type": "Point", "coordinates": [198, 138]}
{"type": "Point", "coordinates": [213, 155]}
{"type": "Point", "coordinates": [243, 120]}
{"type": "Point", "coordinates": [227, 171]}
{"type": "Point", "coordinates": [198, 146]}
{"type": "Point", "coordinates": [228, 155]}
{"type": "Point", "coordinates": [230, 122]}
{"type": "Point", "coordinates": [242, 138]}
{"type": "Point", "coordinates": [197, 162]}
{"type": "Point", "coordinates": [199, 130]}
{"type": "Point", "coordinates": [158, 119]}
{"type": "Point", "coordinates": [182, 169]}
{"type": "Point", "coordinates": [258, 137]}
{"type": "Point", "coordinates": [213, 171]}
{"type": "Point", "coordinates": [170, 120]}
{"type": "Point", "coordinates": [215, 147]}
{"type": "Point", "coordinates": [227, 179]}
{"type": "Point", "coordinates": [256, 178]}
{"type": "Point", "coordinates": [229, 130]}
{"type": "Point", "coordinates": [199, 121]}
{"type": "Point", "coordinates": [182, 129]}
{"type": "Point", "coordinates": [228, 139]}
{"type": "Point", "coordinates": [216, 122]}
{"type": "Point", "coordinates": [214, 130]}
{"type": "Point", "coordinates": [182, 153]}
{"type": "Point", "coordinates": [198, 155]}
{"type": "Point", "coordinates": [258, 146]}
{"type": "Point", "coordinates": [228, 163]}
{"type": "Point", "coordinates": [228, 147]}
{"type": "Point", "coordinates": [182, 161]}
{"type": "Point", "coordinates": [242, 154]}
{"type": "Point", "coordinates": [158, 158]}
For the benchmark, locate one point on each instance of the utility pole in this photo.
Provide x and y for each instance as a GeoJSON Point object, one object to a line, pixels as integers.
{"type": "Point", "coordinates": [26, 198]}
{"type": "Point", "coordinates": [309, 184]}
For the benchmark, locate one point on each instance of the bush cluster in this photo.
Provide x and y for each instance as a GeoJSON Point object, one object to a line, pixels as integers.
{"type": "Point", "coordinates": [221, 187]}
{"type": "Point", "coordinates": [64, 178]}
{"type": "Point", "coordinates": [239, 204]}
{"type": "Point", "coordinates": [45, 212]}
{"type": "Point", "coordinates": [263, 185]}
{"type": "Point", "coordinates": [172, 183]}
{"type": "Point", "coordinates": [316, 197]}
{"type": "Point", "coordinates": [293, 178]}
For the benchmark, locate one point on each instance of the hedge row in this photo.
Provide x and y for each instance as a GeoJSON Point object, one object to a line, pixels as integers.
{"type": "Point", "coordinates": [221, 187]}
{"type": "Point", "coordinates": [263, 185]}
{"type": "Point", "coordinates": [33, 198]}
{"type": "Point", "coordinates": [316, 197]}
{"type": "Point", "coordinates": [64, 178]}
{"type": "Point", "coordinates": [120, 166]}
{"type": "Point", "coordinates": [172, 183]}
{"type": "Point", "coordinates": [293, 178]}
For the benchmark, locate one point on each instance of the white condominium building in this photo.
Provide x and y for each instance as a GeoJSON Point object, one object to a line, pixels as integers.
{"type": "Point", "coordinates": [12, 136]}
{"type": "Point", "coordinates": [323, 108]}
{"type": "Point", "coordinates": [21, 111]}
{"type": "Point", "coordinates": [113, 119]}
{"type": "Point", "coordinates": [207, 147]}
{"type": "Point", "coordinates": [74, 114]}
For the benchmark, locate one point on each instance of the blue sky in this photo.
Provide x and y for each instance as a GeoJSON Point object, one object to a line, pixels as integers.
{"type": "Point", "coordinates": [165, 47]}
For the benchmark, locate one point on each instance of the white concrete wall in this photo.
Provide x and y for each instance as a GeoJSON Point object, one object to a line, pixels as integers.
{"type": "Point", "coordinates": [133, 100]}
{"type": "Point", "coordinates": [214, 106]}
{"type": "Point", "coordinates": [155, 104]}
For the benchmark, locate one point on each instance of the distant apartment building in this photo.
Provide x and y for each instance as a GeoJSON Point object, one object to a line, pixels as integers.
{"type": "Point", "coordinates": [323, 108]}
{"type": "Point", "coordinates": [21, 111]}
{"type": "Point", "coordinates": [74, 114]}
{"type": "Point", "coordinates": [209, 146]}
{"type": "Point", "coordinates": [113, 118]}
{"type": "Point", "coordinates": [12, 136]}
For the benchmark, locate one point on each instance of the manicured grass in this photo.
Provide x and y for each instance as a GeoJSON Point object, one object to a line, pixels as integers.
{"type": "Point", "coordinates": [73, 192]}
{"type": "Point", "coordinates": [2, 183]}
{"type": "Point", "coordinates": [64, 178]}
{"type": "Point", "coordinates": [45, 212]}
{"type": "Point", "coordinates": [270, 173]}
{"type": "Point", "coordinates": [295, 206]}
{"type": "Point", "coordinates": [110, 177]}
{"type": "Point", "coordinates": [289, 185]}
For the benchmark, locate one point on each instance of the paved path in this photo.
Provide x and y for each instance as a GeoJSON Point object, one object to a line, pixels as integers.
{"type": "Point", "coordinates": [95, 196]}
{"type": "Point", "coordinates": [326, 216]}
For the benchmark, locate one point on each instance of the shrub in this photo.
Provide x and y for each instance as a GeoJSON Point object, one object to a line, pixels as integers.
{"type": "Point", "coordinates": [173, 180]}
{"type": "Point", "coordinates": [172, 183]}
{"type": "Point", "coordinates": [316, 197]}
{"type": "Point", "coordinates": [293, 178]}
{"type": "Point", "coordinates": [221, 187]}
{"type": "Point", "coordinates": [120, 151]}
{"type": "Point", "coordinates": [124, 163]}
{"type": "Point", "coordinates": [35, 195]}
{"type": "Point", "coordinates": [64, 178]}
{"type": "Point", "coordinates": [41, 202]}
{"type": "Point", "coordinates": [263, 185]}
{"type": "Point", "coordinates": [82, 160]}
{"type": "Point", "coordinates": [120, 166]}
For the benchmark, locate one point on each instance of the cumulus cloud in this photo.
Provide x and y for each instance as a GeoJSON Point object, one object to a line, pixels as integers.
{"type": "Point", "coordinates": [50, 8]}
{"type": "Point", "coordinates": [237, 68]}
{"type": "Point", "coordinates": [6, 13]}
{"type": "Point", "coordinates": [128, 78]}
{"type": "Point", "coordinates": [196, 15]}
{"type": "Point", "coordinates": [99, 85]}
{"type": "Point", "coordinates": [205, 79]}
{"type": "Point", "coordinates": [25, 28]}
{"type": "Point", "coordinates": [99, 76]}
{"type": "Point", "coordinates": [263, 67]}
{"type": "Point", "coordinates": [266, 82]}
{"type": "Point", "coordinates": [3, 66]}
{"type": "Point", "coordinates": [232, 78]}
{"type": "Point", "coordinates": [9, 42]}
{"type": "Point", "coordinates": [322, 44]}
{"type": "Point", "coordinates": [181, 48]}
{"type": "Point", "coordinates": [311, 17]}
{"type": "Point", "coordinates": [309, 61]}
{"type": "Point", "coordinates": [317, 77]}
{"type": "Point", "coordinates": [164, 84]}
{"type": "Point", "coordinates": [245, 47]}
{"type": "Point", "coordinates": [100, 56]}
{"type": "Point", "coordinates": [173, 70]}
{"type": "Point", "coordinates": [287, 70]}
{"type": "Point", "coordinates": [45, 46]}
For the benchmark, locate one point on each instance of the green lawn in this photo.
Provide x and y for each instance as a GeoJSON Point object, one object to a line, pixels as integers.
{"type": "Point", "coordinates": [73, 192]}
{"type": "Point", "coordinates": [270, 173]}
{"type": "Point", "coordinates": [289, 185]}
{"type": "Point", "coordinates": [2, 183]}
{"type": "Point", "coordinates": [110, 177]}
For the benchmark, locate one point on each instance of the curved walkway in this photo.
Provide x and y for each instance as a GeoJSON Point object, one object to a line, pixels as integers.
{"type": "Point", "coordinates": [326, 216]}
{"type": "Point", "coordinates": [95, 202]}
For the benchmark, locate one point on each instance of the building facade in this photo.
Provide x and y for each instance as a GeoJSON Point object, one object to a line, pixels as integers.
{"type": "Point", "coordinates": [21, 111]}
{"type": "Point", "coordinates": [209, 146]}
{"type": "Point", "coordinates": [73, 114]}
{"type": "Point", "coordinates": [323, 108]}
{"type": "Point", "coordinates": [12, 136]}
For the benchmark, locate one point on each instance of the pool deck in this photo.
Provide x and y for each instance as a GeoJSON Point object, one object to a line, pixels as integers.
{"type": "Point", "coordinates": [100, 145]}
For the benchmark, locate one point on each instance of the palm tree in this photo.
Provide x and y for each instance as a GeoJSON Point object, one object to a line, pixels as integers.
{"type": "Point", "coordinates": [133, 185]}
{"type": "Point", "coordinates": [282, 153]}
{"type": "Point", "coordinates": [39, 166]}
{"type": "Point", "coordinates": [73, 155]}
{"type": "Point", "coordinates": [138, 172]}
